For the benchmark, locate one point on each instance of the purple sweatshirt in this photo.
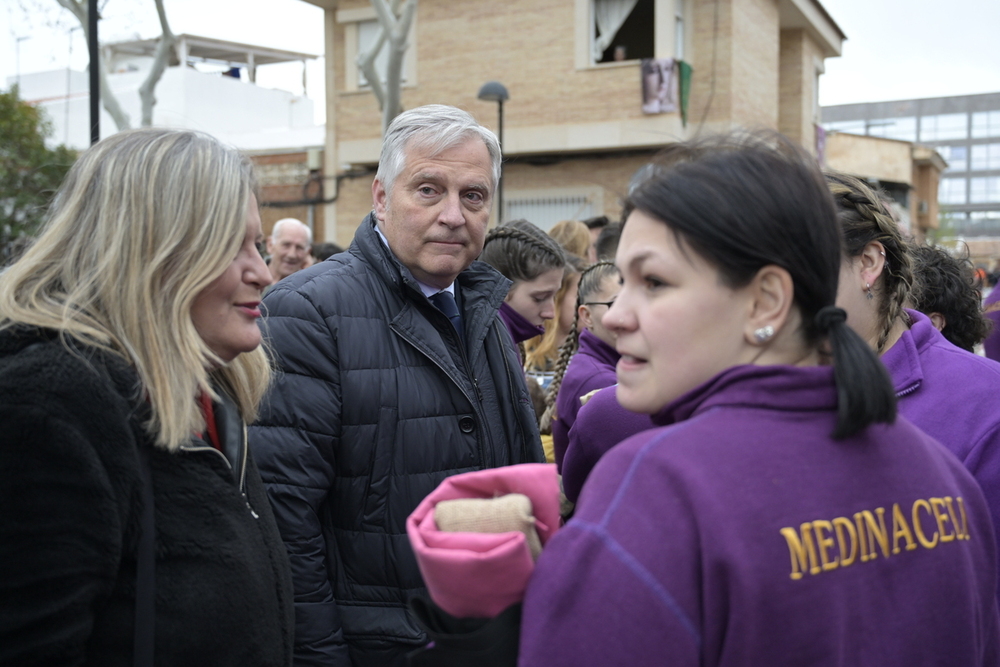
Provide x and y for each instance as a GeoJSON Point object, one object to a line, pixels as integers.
{"type": "Point", "coordinates": [600, 425]}
{"type": "Point", "coordinates": [592, 367]}
{"type": "Point", "coordinates": [992, 343]}
{"type": "Point", "coordinates": [744, 535]}
{"type": "Point", "coordinates": [953, 396]}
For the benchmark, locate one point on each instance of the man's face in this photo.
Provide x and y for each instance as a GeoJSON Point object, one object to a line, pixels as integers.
{"type": "Point", "coordinates": [436, 217]}
{"type": "Point", "coordinates": [289, 250]}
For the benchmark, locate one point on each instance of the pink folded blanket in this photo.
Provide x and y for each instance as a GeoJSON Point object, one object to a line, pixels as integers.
{"type": "Point", "coordinates": [479, 574]}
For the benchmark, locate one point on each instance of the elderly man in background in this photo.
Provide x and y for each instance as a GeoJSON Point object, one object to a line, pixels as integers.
{"type": "Point", "coordinates": [288, 245]}
{"type": "Point", "coordinates": [396, 372]}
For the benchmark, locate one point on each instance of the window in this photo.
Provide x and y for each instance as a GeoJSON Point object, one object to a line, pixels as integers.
{"type": "Point", "coordinates": [957, 157]}
{"type": "Point", "coordinates": [943, 127]}
{"type": "Point", "coordinates": [361, 27]}
{"type": "Point", "coordinates": [986, 124]}
{"type": "Point", "coordinates": [849, 126]}
{"type": "Point", "coordinates": [952, 191]}
{"type": "Point", "coordinates": [546, 207]}
{"type": "Point", "coordinates": [984, 190]}
{"type": "Point", "coordinates": [367, 34]}
{"type": "Point", "coordinates": [985, 156]}
{"type": "Point", "coordinates": [904, 129]}
{"type": "Point", "coordinates": [623, 30]}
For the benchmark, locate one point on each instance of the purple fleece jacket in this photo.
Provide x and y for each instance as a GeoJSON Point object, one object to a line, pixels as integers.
{"type": "Point", "coordinates": [991, 346]}
{"type": "Point", "coordinates": [592, 367]}
{"type": "Point", "coordinates": [953, 396]}
{"type": "Point", "coordinates": [600, 425]}
{"type": "Point", "coordinates": [731, 538]}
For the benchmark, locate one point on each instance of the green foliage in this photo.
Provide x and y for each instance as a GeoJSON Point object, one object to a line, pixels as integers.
{"type": "Point", "coordinates": [30, 173]}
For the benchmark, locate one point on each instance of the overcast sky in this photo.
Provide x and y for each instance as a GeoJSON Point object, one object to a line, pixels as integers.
{"type": "Point", "coordinates": [895, 49]}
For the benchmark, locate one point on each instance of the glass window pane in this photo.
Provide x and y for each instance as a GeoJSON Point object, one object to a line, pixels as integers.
{"type": "Point", "coordinates": [985, 156]}
{"type": "Point", "coordinates": [367, 33]}
{"type": "Point", "coordinates": [955, 156]}
{"type": "Point", "coordinates": [986, 124]}
{"type": "Point", "coordinates": [904, 129]}
{"type": "Point", "coordinates": [849, 126]}
{"type": "Point", "coordinates": [945, 126]}
{"type": "Point", "coordinates": [984, 190]}
{"type": "Point", "coordinates": [952, 191]}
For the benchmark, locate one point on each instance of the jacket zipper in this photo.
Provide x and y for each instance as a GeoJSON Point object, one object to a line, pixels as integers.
{"type": "Point", "coordinates": [476, 405]}
{"type": "Point", "coordinates": [243, 467]}
{"type": "Point", "coordinates": [513, 398]}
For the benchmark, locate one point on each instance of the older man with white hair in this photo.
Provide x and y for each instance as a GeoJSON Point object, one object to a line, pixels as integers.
{"type": "Point", "coordinates": [396, 372]}
{"type": "Point", "coordinates": [288, 246]}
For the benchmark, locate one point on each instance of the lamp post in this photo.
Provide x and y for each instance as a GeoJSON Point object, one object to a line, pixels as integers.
{"type": "Point", "coordinates": [17, 43]}
{"type": "Point", "coordinates": [494, 91]}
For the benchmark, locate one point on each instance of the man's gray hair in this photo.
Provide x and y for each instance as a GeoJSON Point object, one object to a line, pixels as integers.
{"type": "Point", "coordinates": [291, 222]}
{"type": "Point", "coordinates": [436, 128]}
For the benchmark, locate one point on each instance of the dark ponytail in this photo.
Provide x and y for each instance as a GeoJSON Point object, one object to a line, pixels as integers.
{"type": "Point", "coordinates": [746, 201]}
{"type": "Point", "coordinates": [861, 378]}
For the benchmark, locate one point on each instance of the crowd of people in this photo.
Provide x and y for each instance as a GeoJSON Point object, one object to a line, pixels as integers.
{"type": "Point", "coordinates": [775, 441]}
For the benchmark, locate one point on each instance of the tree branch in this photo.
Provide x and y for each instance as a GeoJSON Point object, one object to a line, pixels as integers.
{"type": "Point", "coordinates": [79, 9]}
{"type": "Point", "coordinates": [161, 59]}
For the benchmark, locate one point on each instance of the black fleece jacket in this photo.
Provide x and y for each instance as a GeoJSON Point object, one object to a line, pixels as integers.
{"type": "Point", "coordinates": [70, 502]}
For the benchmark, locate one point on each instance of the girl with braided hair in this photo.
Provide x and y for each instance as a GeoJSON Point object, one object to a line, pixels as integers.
{"type": "Point", "coordinates": [779, 515]}
{"type": "Point", "coordinates": [535, 263]}
{"type": "Point", "coordinates": [587, 357]}
{"type": "Point", "coordinates": [541, 354]}
{"type": "Point", "coordinates": [949, 393]}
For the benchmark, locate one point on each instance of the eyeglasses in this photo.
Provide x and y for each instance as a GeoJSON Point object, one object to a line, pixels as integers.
{"type": "Point", "coordinates": [599, 303]}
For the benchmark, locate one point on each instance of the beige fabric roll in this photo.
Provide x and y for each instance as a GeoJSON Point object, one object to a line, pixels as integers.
{"type": "Point", "coordinates": [504, 514]}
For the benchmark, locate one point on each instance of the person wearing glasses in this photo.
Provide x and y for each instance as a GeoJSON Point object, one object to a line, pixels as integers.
{"type": "Point", "coordinates": [587, 359]}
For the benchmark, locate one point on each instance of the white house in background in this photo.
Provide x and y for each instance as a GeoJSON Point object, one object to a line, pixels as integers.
{"type": "Point", "coordinates": [255, 119]}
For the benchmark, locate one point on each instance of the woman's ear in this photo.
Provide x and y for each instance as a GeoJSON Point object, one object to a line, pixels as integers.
{"type": "Point", "coordinates": [583, 315]}
{"type": "Point", "coordinates": [772, 294]}
{"type": "Point", "coordinates": [872, 261]}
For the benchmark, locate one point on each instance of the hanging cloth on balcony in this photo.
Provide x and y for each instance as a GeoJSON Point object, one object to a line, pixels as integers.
{"type": "Point", "coordinates": [610, 15]}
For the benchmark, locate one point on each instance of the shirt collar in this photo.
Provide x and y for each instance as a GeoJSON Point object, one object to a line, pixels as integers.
{"type": "Point", "coordinates": [427, 290]}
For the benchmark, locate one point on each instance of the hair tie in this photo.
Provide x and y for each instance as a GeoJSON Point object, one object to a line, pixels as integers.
{"type": "Point", "coordinates": [828, 316]}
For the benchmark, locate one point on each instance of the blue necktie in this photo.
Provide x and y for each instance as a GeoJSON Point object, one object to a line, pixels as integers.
{"type": "Point", "coordinates": [445, 302]}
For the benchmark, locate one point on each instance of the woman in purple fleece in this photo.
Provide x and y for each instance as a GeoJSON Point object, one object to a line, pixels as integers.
{"type": "Point", "coordinates": [587, 359]}
{"type": "Point", "coordinates": [535, 263]}
{"type": "Point", "coordinates": [779, 515]}
{"type": "Point", "coordinates": [951, 394]}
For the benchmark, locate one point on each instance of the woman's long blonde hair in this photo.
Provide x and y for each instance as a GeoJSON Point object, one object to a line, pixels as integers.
{"type": "Point", "coordinates": [144, 221]}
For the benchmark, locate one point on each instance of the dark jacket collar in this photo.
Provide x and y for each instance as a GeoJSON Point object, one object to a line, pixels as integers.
{"type": "Point", "coordinates": [483, 287]}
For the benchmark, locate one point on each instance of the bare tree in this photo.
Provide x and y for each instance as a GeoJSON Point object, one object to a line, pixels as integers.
{"type": "Point", "coordinates": [161, 57]}
{"type": "Point", "coordinates": [394, 28]}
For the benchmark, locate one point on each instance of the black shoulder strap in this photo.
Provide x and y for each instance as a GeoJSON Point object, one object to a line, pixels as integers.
{"type": "Point", "coordinates": [145, 573]}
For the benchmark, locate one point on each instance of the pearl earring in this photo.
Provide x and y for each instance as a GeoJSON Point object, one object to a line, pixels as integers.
{"type": "Point", "coordinates": [763, 334]}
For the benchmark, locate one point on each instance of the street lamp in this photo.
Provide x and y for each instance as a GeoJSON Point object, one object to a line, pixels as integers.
{"type": "Point", "coordinates": [494, 91]}
{"type": "Point", "coordinates": [18, 41]}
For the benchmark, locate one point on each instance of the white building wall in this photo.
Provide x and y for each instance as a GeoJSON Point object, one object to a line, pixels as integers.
{"type": "Point", "coordinates": [235, 111]}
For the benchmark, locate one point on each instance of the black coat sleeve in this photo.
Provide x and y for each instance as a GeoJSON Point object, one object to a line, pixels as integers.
{"type": "Point", "coordinates": [293, 442]}
{"type": "Point", "coordinates": [63, 517]}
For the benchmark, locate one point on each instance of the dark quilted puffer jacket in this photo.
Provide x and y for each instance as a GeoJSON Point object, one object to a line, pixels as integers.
{"type": "Point", "coordinates": [376, 403]}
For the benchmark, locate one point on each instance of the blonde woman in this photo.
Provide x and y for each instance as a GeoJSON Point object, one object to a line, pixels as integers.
{"type": "Point", "coordinates": [135, 527]}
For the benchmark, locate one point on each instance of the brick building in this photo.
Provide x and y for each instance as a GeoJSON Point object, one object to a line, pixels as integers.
{"type": "Point", "coordinates": [574, 127]}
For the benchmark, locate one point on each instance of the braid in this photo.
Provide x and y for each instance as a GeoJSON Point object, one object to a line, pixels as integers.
{"type": "Point", "coordinates": [521, 251]}
{"type": "Point", "coordinates": [865, 219]}
{"type": "Point", "coordinates": [508, 232]}
{"type": "Point", "coordinates": [590, 282]}
{"type": "Point", "coordinates": [566, 352]}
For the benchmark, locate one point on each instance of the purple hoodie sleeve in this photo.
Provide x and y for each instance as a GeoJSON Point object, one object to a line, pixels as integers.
{"type": "Point", "coordinates": [599, 594]}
